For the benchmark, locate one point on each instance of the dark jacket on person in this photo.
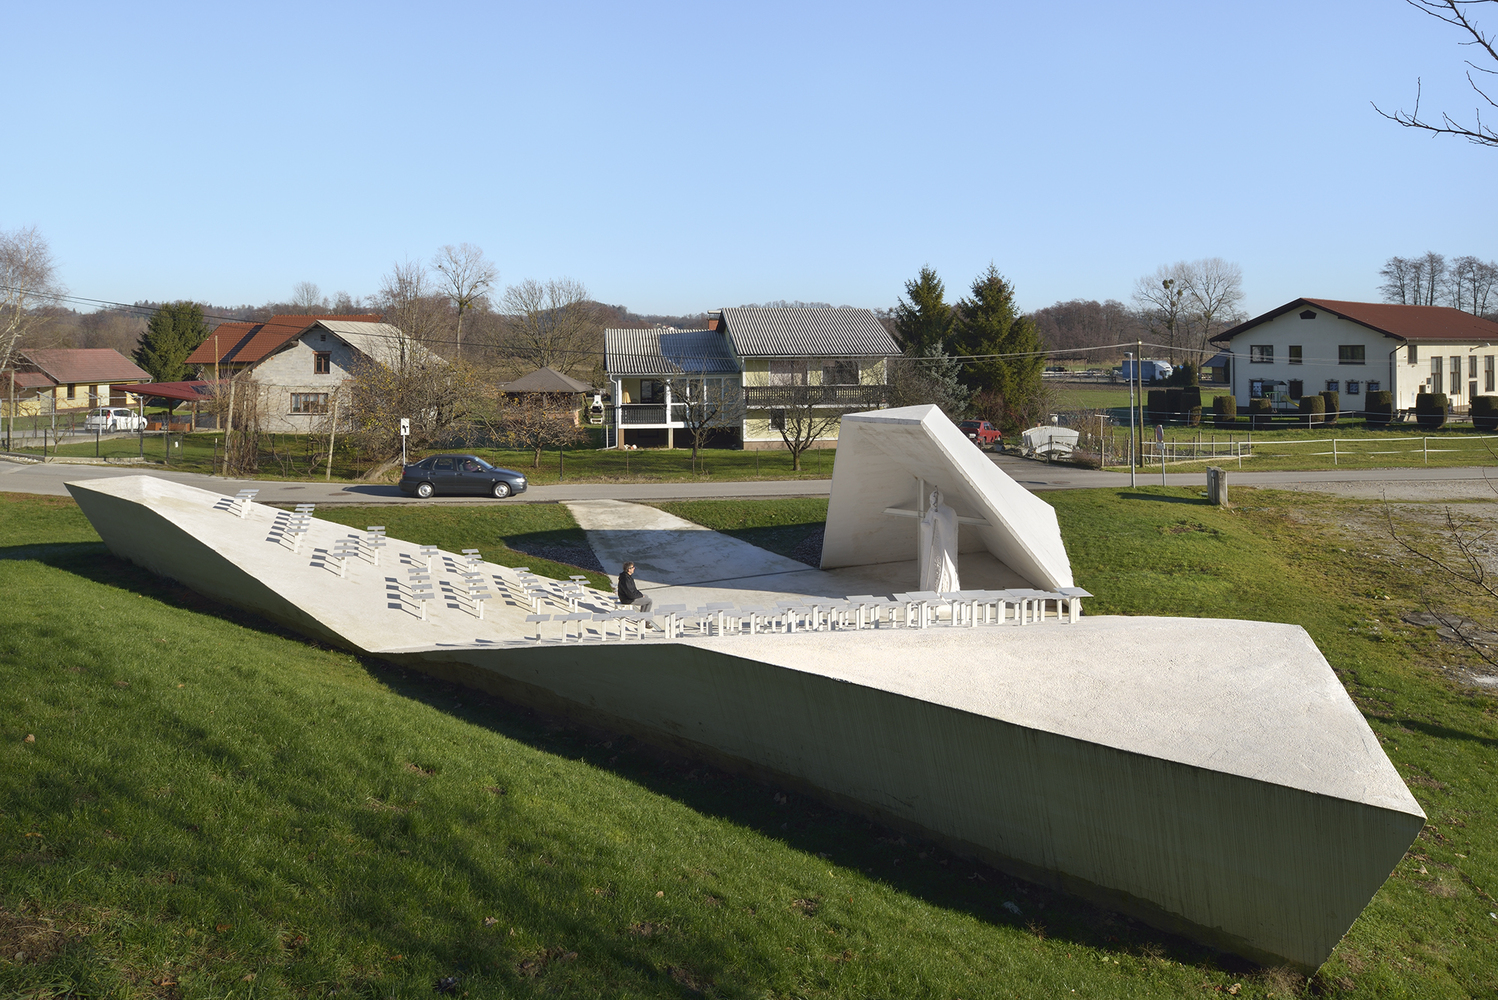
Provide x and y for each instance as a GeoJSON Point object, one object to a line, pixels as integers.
{"type": "Point", "coordinates": [628, 592]}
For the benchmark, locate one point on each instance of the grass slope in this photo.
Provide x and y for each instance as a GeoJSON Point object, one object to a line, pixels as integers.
{"type": "Point", "coordinates": [213, 808]}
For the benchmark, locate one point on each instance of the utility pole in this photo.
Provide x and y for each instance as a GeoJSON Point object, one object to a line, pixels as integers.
{"type": "Point", "coordinates": [1139, 375]}
{"type": "Point", "coordinates": [1128, 356]}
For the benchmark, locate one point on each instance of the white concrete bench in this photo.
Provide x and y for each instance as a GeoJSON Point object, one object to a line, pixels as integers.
{"type": "Point", "coordinates": [241, 503]}
{"type": "Point", "coordinates": [374, 541]}
{"type": "Point", "coordinates": [345, 549]}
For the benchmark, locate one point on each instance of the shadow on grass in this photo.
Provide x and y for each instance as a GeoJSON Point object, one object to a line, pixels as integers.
{"type": "Point", "coordinates": [899, 861]}
{"type": "Point", "coordinates": [1193, 501]}
{"type": "Point", "coordinates": [1438, 732]}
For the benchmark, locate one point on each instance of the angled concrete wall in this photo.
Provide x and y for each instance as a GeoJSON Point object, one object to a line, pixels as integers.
{"type": "Point", "coordinates": [880, 457]}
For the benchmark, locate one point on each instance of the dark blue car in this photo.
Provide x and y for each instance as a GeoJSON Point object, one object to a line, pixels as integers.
{"type": "Point", "coordinates": [459, 475]}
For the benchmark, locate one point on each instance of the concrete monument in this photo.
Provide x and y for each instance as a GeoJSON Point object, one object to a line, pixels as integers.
{"type": "Point", "coordinates": [1211, 777]}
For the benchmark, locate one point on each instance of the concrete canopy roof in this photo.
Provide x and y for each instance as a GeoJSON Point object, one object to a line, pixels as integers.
{"type": "Point", "coordinates": [882, 453]}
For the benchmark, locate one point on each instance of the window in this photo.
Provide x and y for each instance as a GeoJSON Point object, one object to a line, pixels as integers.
{"type": "Point", "coordinates": [1487, 373]}
{"type": "Point", "coordinates": [1374, 386]}
{"type": "Point", "coordinates": [322, 338]}
{"type": "Point", "coordinates": [72, 390]}
{"type": "Point", "coordinates": [777, 420]}
{"type": "Point", "coordinates": [1353, 385]}
{"type": "Point", "coordinates": [1295, 354]}
{"type": "Point", "coordinates": [1261, 354]}
{"type": "Point", "coordinates": [309, 402]}
{"type": "Point", "coordinates": [322, 363]}
{"type": "Point", "coordinates": [1351, 354]}
{"type": "Point", "coordinates": [1308, 314]}
{"type": "Point", "coordinates": [1456, 375]}
{"type": "Point", "coordinates": [1297, 388]}
{"type": "Point", "coordinates": [1333, 385]}
{"type": "Point", "coordinates": [1414, 354]}
{"type": "Point", "coordinates": [652, 390]}
{"type": "Point", "coordinates": [1256, 388]}
{"type": "Point", "coordinates": [1471, 366]}
{"type": "Point", "coordinates": [443, 465]}
{"type": "Point", "coordinates": [840, 371]}
{"type": "Point", "coordinates": [1436, 369]}
{"type": "Point", "coordinates": [787, 371]}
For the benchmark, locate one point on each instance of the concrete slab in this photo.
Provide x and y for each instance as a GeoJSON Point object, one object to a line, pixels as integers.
{"type": "Point", "coordinates": [1210, 776]}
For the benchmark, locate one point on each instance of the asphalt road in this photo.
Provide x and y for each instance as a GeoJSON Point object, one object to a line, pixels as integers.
{"type": "Point", "coordinates": [49, 479]}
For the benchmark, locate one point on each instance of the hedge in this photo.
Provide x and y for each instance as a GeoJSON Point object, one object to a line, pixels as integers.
{"type": "Point", "coordinates": [1313, 410]}
{"type": "Point", "coordinates": [1260, 412]}
{"type": "Point", "coordinates": [1485, 413]}
{"type": "Point", "coordinates": [1333, 405]}
{"type": "Point", "coordinates": [1155, 406]}
{"type": "Point", "coordinates": [1380, 408]}
{"type": "Point", "coordinates": [1431, 409]}
{"type": "Point", "coordinates": [1224, 411]}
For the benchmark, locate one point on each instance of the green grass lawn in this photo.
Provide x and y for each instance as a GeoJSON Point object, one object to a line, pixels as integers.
{"type": "Point", "coordinates": [214, 808]}
{"type": "Point", "coordinates": [1298, 448]}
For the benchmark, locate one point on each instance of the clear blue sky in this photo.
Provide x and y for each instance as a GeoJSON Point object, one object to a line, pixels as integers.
{"type": "Point", "coordinates": [680, 157]}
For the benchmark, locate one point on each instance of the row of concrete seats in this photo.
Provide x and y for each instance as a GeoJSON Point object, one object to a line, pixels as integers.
{"type": "Point", "coordinates": [917, 609]}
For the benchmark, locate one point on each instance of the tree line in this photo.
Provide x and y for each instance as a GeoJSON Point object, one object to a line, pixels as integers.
{"type": "Point", "coordinates": [1465, 283]}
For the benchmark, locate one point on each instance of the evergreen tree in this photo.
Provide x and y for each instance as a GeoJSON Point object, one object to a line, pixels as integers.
{"type": "Point", "coordinates": [925, 322]}
{"type": "Point", "coordinates": [172, 333]}
{"type": "Point", "coordinates": [987, 324]}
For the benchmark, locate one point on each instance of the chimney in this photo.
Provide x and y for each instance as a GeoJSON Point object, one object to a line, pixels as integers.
{"type": "Point", "coordinates": [713, 319]}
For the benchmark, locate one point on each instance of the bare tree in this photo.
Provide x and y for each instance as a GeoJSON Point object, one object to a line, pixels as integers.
{"type": "Point", "coordinates": [1160, 303]}
{"type": "Point", "coordinates": [802, 419]}
{"type": "Point", "coordinates": [1430, 272]}
{"type": "Point", "coordinates": [1461, 558]}
{"type": "Point", "coordinates": [1469, 283]}
{"type": "Point", "coordinates": [28, 282]}
{"type": "Point", "coordinates": [412, 305]}
{"type": "Point", "coordinates": [537, 421]}
{"type": "Point", "coordinates": [1455, 13]}
{"type": "Point", "coordinates": [467, 277]}
{"type": "Point", "coordinates": [708, 403]}
{"type": "Point", "coordinates": [307, 299]}
{"type": "Point", "coordinates": [1399, 280]}
{"type": "Point", "coordinates": [551, 324]}
{"type": "Point", "coordinates": [1214, 290]}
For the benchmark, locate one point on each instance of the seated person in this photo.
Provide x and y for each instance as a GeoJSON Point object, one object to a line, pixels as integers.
{"type": "Point", "coordinates": [629, 593]}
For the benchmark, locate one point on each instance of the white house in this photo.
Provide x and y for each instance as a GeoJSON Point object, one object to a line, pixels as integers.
{"type": "Point", "coordinates": [1309, 346]}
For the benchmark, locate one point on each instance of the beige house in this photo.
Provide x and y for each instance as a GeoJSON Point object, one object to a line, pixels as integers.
{"type": "Point", "coordinates": [771, 358]}
{"type": "Point", "coordinates": [60, 380]}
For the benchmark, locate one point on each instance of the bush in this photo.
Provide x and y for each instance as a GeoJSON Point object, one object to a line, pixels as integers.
{"type": "Point", "coordinates": [1193, 416]}
{"type": "Point", "coordinates": [1154, 407]}
{"type": "Point", "coordinates": [1485, 413]}
{"type": "Point", "coordinates": [1380, 409]}
{"type": "Point", "coordinates": [1312, 410]}
{"type": "Point", "coordinates": [1224, 411]}
{"type": "Point", "coordinates": [1173, 406]}
{"type": "Point", "coordinates": [1431, 409]}
{"type": "Point", "coordinates": [1260, 412]}
{"type": "Point", "coordinates": [1333, 402]}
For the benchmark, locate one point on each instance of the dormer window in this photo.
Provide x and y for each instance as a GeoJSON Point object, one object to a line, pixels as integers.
{"type": "Point", "coordinates": [1308, 314]}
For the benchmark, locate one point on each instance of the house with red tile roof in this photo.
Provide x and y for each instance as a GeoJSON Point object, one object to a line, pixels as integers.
{"type": "Point", "coordinates": [1307, 346]}
{"type": "Point", "coordinates": [47, 380]}
{"type": "Point", "coordinates": [236, 347]}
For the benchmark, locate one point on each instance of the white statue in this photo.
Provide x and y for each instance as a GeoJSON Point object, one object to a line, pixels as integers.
{"type": "Point", "coordinates": [938, 547]}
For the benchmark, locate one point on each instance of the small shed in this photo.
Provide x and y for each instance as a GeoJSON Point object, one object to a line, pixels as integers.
{"type": "Point", "coordinates": [547, 384]}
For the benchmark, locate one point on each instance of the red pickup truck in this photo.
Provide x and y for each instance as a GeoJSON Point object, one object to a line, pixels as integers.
{"type": "Point", "coordinates": [982, 433]}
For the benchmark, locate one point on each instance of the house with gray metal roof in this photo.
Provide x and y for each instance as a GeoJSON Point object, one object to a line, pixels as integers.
{"type": "Point", "coordinates": [775, 357]}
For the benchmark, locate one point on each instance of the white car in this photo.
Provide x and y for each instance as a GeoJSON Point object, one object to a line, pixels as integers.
{"type": "Point", "coordinates": [113, 418]}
